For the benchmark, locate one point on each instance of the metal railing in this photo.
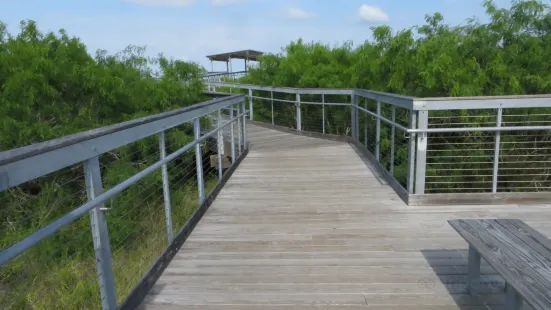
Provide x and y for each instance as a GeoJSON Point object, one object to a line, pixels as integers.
{"type": "Point", "coordinates": [144, 184]}
{"type": "Point", "coordinates": [219, 77]}
{"type": "Point", "coordinates": [495, 145]}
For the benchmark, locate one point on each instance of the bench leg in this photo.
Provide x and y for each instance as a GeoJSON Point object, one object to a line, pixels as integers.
{"type": "Point", "coordinates": [473, 273]}
{"type": "Point", "coordinates": [513, 301]}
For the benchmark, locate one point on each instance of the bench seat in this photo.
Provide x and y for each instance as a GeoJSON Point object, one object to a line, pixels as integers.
{"type": "Point", "coordinates": [520, 254]}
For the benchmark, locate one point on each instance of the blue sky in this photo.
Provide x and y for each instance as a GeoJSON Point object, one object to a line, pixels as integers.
{"type": "Point", "coordinates": [191, 29]}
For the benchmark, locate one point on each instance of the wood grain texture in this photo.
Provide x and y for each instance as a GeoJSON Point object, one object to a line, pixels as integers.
{"type": "Point", "coordinates": [305, 223]}
{"type": "Point", "coordinates": [517, 255]}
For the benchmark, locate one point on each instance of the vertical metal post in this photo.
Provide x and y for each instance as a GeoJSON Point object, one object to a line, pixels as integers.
{"type": "Point", "coordinates": [299, 118]}
{"type": "Point", "coordinates": [100, 235]}
{"type": "Point", "coordinates": [366, 117]}
{"type": "Point", "coordinates": [220, 141]}
{"type": "Point", "coordinates": [411, 151]}
{"type": "Point", "coordinates": [272, 98]}
{"type": "Point", "coordinates": [421, 153]}
{"type": "Point", "coordinates": [244, 129]}
{"type": "Point", "coordinates": [239, 142]}
{"type": "Point", "coordinates": [166, 188]}
{"type": "Point", "coordinates": [497, 150]}
{"type": "Point", "coordinates": [473, 271]}
{"type": "Point", "coordinates": [232, 135]}
{"type": "Point", "coordinates": [199, 160]}
{"type": "Point", "coordinates": [250, 104]}
{"type": "Point", "coordinates": [354, 115]}
{"type": "Point", "coordinates": [392, 140]}
{"type": "Point", "coordinates": [378, 134]}
{"type": "Point", "coordinates": [323, 113]}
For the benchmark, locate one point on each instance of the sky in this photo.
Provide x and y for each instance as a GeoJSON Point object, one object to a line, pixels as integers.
{"type": "Point", "coordinates": [191, 29]}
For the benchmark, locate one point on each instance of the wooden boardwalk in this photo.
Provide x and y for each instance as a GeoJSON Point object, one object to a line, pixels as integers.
{"type": "Point", "coordinates": [305, 223]}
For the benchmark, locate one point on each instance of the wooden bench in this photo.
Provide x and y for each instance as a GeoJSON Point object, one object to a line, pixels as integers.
{"type": "Point", "coordinates": [521, 255]}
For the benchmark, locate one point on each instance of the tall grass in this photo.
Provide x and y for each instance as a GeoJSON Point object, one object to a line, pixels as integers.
{"type": "Point", "coordinates": [70, 281]}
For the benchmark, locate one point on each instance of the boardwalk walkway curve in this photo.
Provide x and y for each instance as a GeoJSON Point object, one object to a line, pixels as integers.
{"type": "Point", "coordinates": [306, 223]}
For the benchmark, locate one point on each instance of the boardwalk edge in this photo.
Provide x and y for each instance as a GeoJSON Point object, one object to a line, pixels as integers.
{"type": "Point", "coordinates": [138, 294]}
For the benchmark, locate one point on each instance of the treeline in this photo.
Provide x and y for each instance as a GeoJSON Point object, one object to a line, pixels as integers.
{"type": "Point", "coordinates": [50, 86]}
{"type": "Point", "coordinates": [509, 55]}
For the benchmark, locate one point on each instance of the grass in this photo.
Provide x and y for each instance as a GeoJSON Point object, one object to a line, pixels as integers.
{"type": "Point", "coordinates": [70, 281]}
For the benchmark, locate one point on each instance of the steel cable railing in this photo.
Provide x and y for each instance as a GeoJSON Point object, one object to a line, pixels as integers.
{"type": "Point", "coordinates": [140, 183]}
{"type": "Point", "coordinates": [427, 145]}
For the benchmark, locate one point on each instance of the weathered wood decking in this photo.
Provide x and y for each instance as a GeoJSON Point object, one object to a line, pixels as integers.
{"type": "Point", "coordinates": [305, 223]}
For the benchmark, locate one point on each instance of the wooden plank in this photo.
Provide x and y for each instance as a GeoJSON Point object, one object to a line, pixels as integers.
{"type": "Point", "coordinates": [314, 307]}
{"type": "Point", "coordinates": [327, 300]}
{"type": "Point", "coordinates": [527, 271]}
{"type": "Point", "coordinates": [516, 198]}
{"type": "Point", "coordinates": [305, 223]}
{"type": "Point", "coordinates": [533, 238]}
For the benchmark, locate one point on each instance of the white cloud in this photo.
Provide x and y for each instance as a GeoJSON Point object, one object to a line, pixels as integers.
{"type": "Point", "coordinates": [226, 2]}
{"type": "Point", "coordinates": [294, 13]}
{"type": "Point", "coordinates": [165, 3]}
{"type": "Point", "coordinates": [207, 35]}
{"type": "Point", "coordinates": [372, 13]}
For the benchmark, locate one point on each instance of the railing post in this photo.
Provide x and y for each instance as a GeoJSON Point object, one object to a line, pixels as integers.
{"type": "Point", "coordinates": [411, 151]}
{"type": "Point", "coordinates": [323, 113]}
{"type": "Point", "coordinates": [366, 117]}
{"type": "Point", "coordinates": [100, 235]}
{"type": "Point", "coordinates": [220, 143]}
{"type": "Point", "coordinates": [272, 98]}
{"type": "Point", "coordinates": [199, 160]}
{"type": "Point", "coordinates": [354, 115]}
{"type": "Point", "coordinates": [166, 188]}
{"type": "Point", "coordinates": [421, 153]}
{"type": "Point", "coordinates": [497, 150]}
{"type": "Point", "coordinates": [392, 140]}
{"type": "Point", "coordinates": [239, 128]}
{"type": "Point", "coordinates": [299, 118]}
{"type": "Point", "coordinates": [244, 129]}
{"type": "Point", "coordinates": [378, 134]}
{"type": "Point", "coordinates": [232, 125]}
{"type": "Point", "coordinates": [250, 104]}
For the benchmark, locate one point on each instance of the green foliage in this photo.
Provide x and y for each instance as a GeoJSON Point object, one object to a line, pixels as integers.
{"type": "Point", "coordinates": [506, 56]}
{"type": "Point", "coordinates": [50, 86]}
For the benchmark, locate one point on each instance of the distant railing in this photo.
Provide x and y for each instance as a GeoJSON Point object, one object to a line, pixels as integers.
{"type": "Point", "coordinates": [432, 150]}
{"type": "Point", "coordinates": [146, 166]}
{"type": "Point", "coordinates": [219, 77]}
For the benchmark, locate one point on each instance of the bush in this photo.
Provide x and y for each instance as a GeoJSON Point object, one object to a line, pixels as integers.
{"type": "Point", "coordinates": [50, 86]}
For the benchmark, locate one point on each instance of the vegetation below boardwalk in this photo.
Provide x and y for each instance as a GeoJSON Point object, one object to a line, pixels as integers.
{"type": "Point", "coordinates": [506, 56]}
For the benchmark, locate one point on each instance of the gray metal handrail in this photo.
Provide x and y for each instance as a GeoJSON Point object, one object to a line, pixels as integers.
{"type": "Point", "coordinates": [419, 126]}
{"type": "Point", "coordinates": [28, 163]}
{"type": "Point", "coordinates": [224, 73]}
